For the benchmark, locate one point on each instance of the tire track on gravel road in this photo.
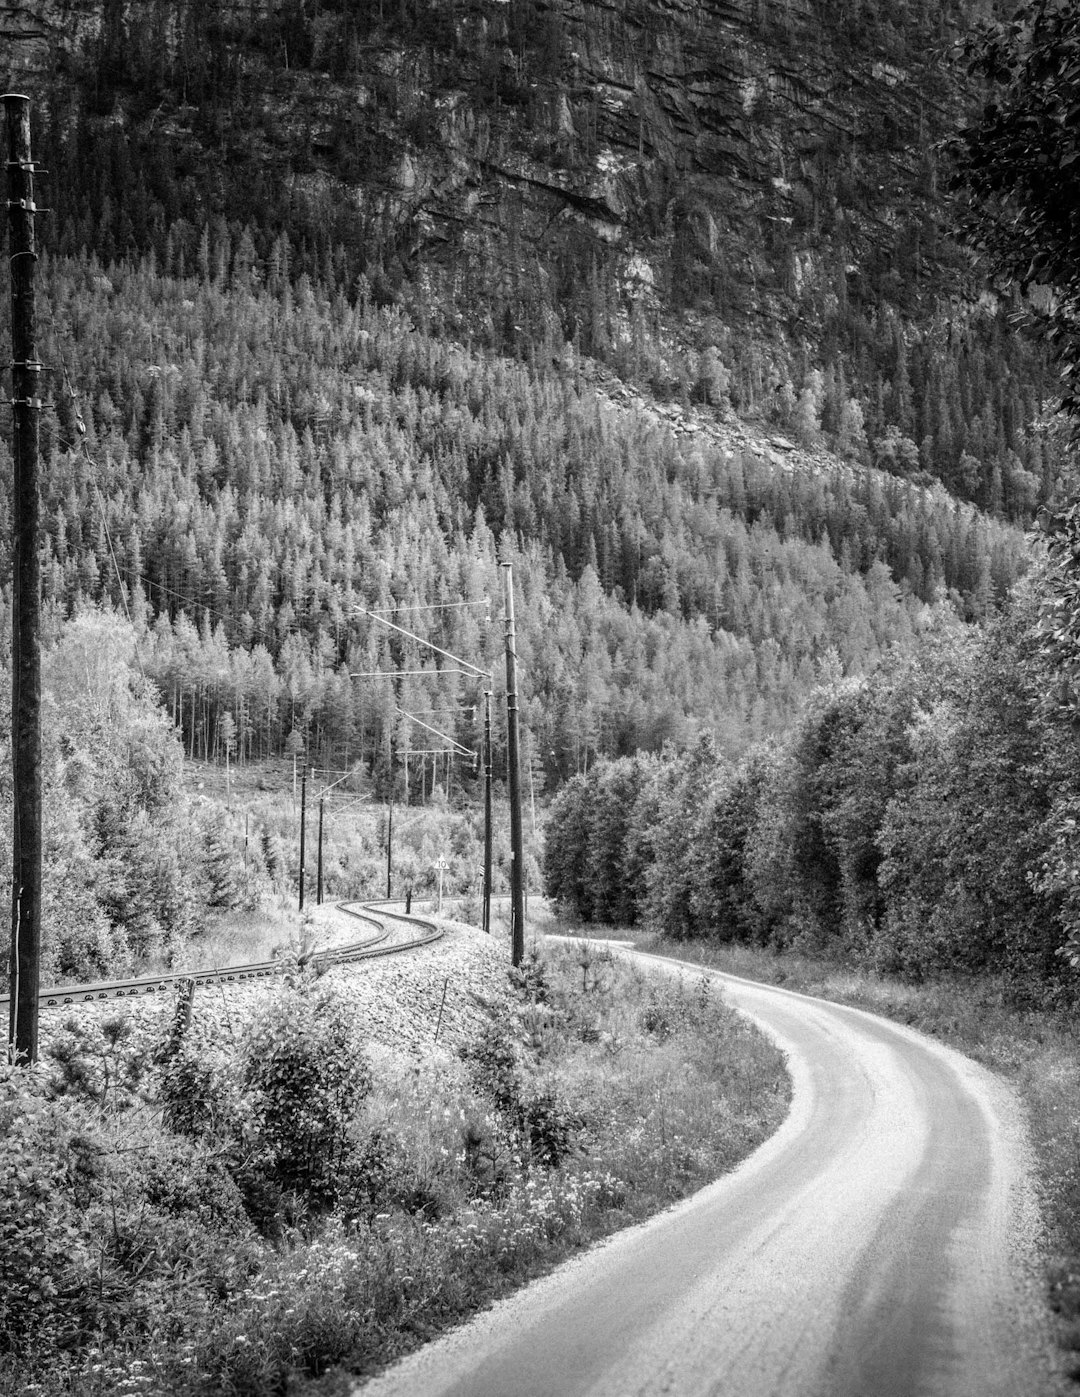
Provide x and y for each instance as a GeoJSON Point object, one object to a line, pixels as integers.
{"type": "Point", "coordinates": [880, 1244]}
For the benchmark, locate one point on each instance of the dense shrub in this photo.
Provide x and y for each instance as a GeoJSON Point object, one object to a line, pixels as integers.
{"type": "Point", "coordinates": [47, 1256]}
{"type": "Point", "coordinates": [535, 1122]}
{"type": "Point", "coordinates": [236, 1211]}
{"type": "Point", "coordinates": [304, 1077]}
{"type": "Point", "coordinates": [104, 1221]}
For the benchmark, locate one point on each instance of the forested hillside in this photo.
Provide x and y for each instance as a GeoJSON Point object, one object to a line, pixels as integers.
{"type": "Point", "coordinates": [349, 294]}
{"type": "Point", "coordinates": [346, 303]}
{"type": "Point", "coordinates": [260, 461]}
{"type": "Point", "coordinates": [760, 183]}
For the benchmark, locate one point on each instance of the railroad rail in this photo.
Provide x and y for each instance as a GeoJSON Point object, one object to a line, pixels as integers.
{"type": "Point", "coordinates": [374, 944]}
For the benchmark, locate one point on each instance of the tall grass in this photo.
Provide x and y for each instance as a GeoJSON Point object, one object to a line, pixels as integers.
{"type": "Point", "coordinates": [600, 1096]}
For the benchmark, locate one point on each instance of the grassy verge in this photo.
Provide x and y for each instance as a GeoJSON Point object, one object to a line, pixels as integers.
{"type": "Point", "coordinates": [1037, 1049]}
{"type": "Point", "coordinates": [186, 1236]}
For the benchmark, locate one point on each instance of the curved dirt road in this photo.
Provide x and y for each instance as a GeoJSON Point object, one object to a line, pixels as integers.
{"type": "Point", "coordinates": [878, 1245]}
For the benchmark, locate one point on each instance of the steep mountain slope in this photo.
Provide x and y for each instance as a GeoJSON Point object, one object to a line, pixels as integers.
{"type": "Point", "coordinates": [356, 295]}
{"type": "Point", "coordinates": [260, 462]}
{"type": "Point", "coordinates": [648, 181]}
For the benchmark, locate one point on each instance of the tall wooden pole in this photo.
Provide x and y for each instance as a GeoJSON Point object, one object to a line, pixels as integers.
{"type": "Point", "coordinates": [517, 860]}
{"type": "Point", "coordinates": [487, 810]}
{"type": "Point", "coordinates": [390, 825]}
{"type": "Point", "coordinates": [318, 875]}
{"type": "Point", "coordinates": [26, 594]}
{"type": "Point", "coordinates": [303, 831]}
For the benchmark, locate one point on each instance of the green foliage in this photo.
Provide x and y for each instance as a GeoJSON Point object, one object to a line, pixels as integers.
{"type": "Point", "coordinates": [536, 1122]}
{"type": "Point", "coordinates": [922, 820]}
{"type": "Point", "coordinates": [117, 889]}
{"type": "Point", "coordinates": [617, 885]}
{"type": "Point", "coordinates": [45, 1256]}
{"type": "Point", "coordinates": [128, 857]}
{"type": "Point", "coordinates": [304, 1079]}
{"type": "Point", "coordinates": [567, 869]}
{"type": "Point", "coordinates": [132, 1197]}
{"type": "Point", "coordinates": [723, 898]}
{"type": "Point", "coordinates": [100, 1062]}
{"type": "Point", "coordinates": [228, 884]}
{"type": "Point", "coordinates": [505, 1061]}
{"type": "Point", "coordinates": [292, 413]}
{"type": "Point", "coordinates": [966, 840]}
{"type": "Point", "coordinates": [197, 1085]}
{"type": "Point", "coordinates": [104, 1221]}
{"type": "Point", "coordinates": [1052, 675]}
{"type": "Point", "coordinates": [1020, 161]}
{"type": "Point", "coordinates": [840, 241]}
{"type": "Point", "coordinates": [674, 872]}
{"type": "Point", "coordinates": [593, 867]}
{"type": "Point", "coordinates": [664, 578]}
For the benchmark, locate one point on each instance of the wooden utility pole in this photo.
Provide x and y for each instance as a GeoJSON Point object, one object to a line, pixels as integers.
{"type": "Point", "coordinates": [303, 823]}
{"type": "Point", "coordinates": [318, 875]}
{"type": "Point", "coordinates": [487, 810]}
{"type": "Point", "coordinates": [517, 860]}
{"type": "Point", "coordinates": [390, 830]}
{"type": "Point", "coordinates": [25, 970]}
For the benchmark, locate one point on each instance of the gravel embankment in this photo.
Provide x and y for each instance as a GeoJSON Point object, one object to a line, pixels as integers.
{"type": "Point", "coordinates": [397, 997]}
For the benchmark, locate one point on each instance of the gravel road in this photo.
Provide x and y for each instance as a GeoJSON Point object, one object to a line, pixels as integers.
{"type": "Point", "coordinates": [881, 1244]}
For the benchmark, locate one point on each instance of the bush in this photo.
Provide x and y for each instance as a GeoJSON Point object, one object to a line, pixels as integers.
{"type": "Point", "coordinates": [46, 1264]}
{"type": "Point", "coordinates": [503, 1060]}
{"type": "Point", "coordinates": [104, 1063]}
{"type": "Point", "coordinates": [551, 1127]}
{"type": "Point", "coordinates": [102, 1232]}
{"type": "Point", "coordinates": [304, 1079]}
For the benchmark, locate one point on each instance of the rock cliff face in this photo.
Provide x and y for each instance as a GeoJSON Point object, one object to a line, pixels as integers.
{"type": "Point", "coordinates": [32, 34]}
{"type": "Point", "coordinates": [606, 164]}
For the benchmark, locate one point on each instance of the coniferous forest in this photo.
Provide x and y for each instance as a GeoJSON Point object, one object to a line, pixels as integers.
{"type": "Point", "coordinates": [344, 304]}
{"type": "Point", "coordinates": [747, 333]}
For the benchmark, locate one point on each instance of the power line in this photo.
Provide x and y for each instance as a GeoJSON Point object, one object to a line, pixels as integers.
{"type": "Point", "coordinates": [434, 606]}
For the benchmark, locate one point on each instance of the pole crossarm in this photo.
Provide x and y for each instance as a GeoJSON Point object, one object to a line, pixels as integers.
{"type": "Point", "coordinates": [408, 673]}
{"type": "Point", "coordinates": [434, 606]}
{"type": "Point", "coordinates": [336, 810]}
{"type": "Point", "coordinates": [411, 635]}
{"type": "Point", "coordinates": [462, 751]}
{"type": "Point", "coordinates": [344, 777]}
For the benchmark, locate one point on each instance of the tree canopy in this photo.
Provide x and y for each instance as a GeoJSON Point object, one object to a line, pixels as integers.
{"type": "Point", "coordinates": [1019, 159]}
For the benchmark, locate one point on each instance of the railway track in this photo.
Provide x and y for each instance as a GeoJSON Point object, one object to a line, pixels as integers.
{"type": "Point", "coordinates": [377, 942]}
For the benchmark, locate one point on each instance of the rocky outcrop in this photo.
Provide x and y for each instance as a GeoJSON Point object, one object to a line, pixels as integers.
{"type": "Point", "coordinates": [753, 159]}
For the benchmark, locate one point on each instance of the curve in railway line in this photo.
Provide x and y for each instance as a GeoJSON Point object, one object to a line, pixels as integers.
{"type": "Point", "coordinates": [376, 943]}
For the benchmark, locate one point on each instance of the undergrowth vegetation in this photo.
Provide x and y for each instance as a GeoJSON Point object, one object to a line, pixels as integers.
{"type": "Point", "coordinates": [241, 1209]}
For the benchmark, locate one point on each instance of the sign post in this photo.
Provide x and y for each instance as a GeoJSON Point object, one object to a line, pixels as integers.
{"type": "Point", "coordinates": [440, 868]}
